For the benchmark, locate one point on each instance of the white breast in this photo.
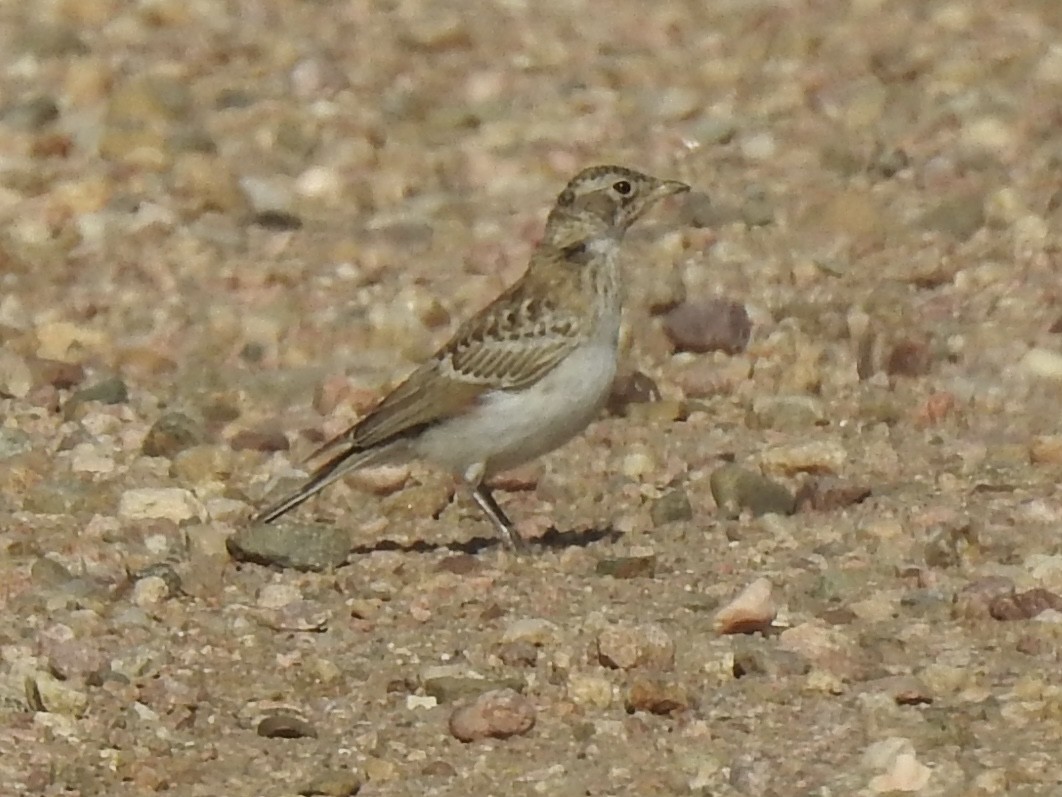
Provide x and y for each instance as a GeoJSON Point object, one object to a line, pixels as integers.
{"type": "Point", "coordinates": [509, 428]}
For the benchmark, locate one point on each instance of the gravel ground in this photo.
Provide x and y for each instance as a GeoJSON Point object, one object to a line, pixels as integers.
{"type": "Point", "coordinates": [813, 546]}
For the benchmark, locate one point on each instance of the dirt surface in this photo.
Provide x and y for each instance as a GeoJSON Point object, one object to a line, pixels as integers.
{"type": "Point", "coordinates": [229, 227]}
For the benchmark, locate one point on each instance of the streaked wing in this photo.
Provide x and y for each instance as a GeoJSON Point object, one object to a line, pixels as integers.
{"type": "Point", "coordinates": [507, 346]}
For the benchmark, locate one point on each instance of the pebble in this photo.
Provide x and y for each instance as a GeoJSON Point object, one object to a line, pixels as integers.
{"type": "Point", "coordinates": [160, 503]}
{"type": "Point", "coordinates": [45, 692]}
{"type": "Point", "coordinates": [108, 391]}
{"type": "Point", "coordinates": [974, 600]}
{"type": "Point", "coordinates": [830, 493]}
{"type": "Point", "coordinates": [900, 769]}
{"type": "Point", "coordinates": [655, 696]}
{"type": "Point", "coordinates": [1024, 605]}
{"type": "Point", "coordinates": [203, 463]}
{"type": "Point", "coordinates": [170, 434]}
{"type": "Point", "coordinates": [533, 630]}
{"type": "Point", "coordinates": [632, 387]}
{"type": "Point", "coordinates": [824, 456]}
{"type": "Point", "coordinates": [736, 489]}
{"type": "Point", "coordinates": [959, 216]}
{"type": "Point", "coordinates": [277, 596]}
{"type": "Point", "coordinates": [1044, 363]}
{"type": "Point", "coordinates": [300, 546]}
{"type": "Point", "coordinates": [451, 688]}
{"type": "Point", "coordinates": [672, 507]}
{"type": "Point", "coordinates": [823, 647]}
{"type": "Point", "coordinates": [589, 690]}
{"type": "Point", "coordinates": [59, 375]}
{"type": "Point", "coordinates": [786, 413]}
{"type": "Point", "coordinates": [16, 379]}
{"type": "Point", "coordinates": [706, 325]}
{"type": "Point", "coordinates": [338, 783]}
{"type": "Point", "coordinates": [498, 714]}
{"type": "Point", "coordinates": [320, 183]}
{"type": "Point", "coordinates": [265, 439]}
{"type": "Point", "coordinates": [284, 725]}
{"type": "Point", "coordinates": [625, 647]}
{"type": "Point", "coordinates": [150, 591]}
{"type": "Point", "coordinates": [637, 565]}
{"type": "Point", "coordinates": [380, 770]}
{"type": "Point", "coordinates": [751, 611]}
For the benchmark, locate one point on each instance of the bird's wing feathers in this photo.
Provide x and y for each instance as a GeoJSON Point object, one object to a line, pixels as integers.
{"type": "Point", "coordinates": [494, 350]}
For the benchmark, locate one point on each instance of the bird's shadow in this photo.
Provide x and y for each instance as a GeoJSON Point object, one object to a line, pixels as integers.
{"type": "Point", "coordinates": [552, 539]}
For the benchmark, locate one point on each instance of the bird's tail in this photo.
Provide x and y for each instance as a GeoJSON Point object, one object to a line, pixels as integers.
{"type": "Point", "coordinates": [351, 458]}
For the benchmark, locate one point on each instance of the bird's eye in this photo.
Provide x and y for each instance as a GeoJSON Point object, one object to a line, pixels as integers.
{"type": "Point", "coordinates": [622, 187]}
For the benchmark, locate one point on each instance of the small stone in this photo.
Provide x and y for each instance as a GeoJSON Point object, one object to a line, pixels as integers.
{"type": "Point", "coordinates": [60, 375]}
{"type": "Point", "coordinates": [200, 464]}
{"type": "Point", "coordinates": [827, 456]}
{"type": "Point", "coordinates": [709, 325]}
{"type": "Point", "coordinates": [332, 784]}
{"type": "Point", "coordinates": [109, 391]}
{"type": "Point", "coordinates": [263, 439]}
{"type": "Point", "coordinates": [1044, 363]}
{"type": "Point", "coordinates": [16, 379]}
{"type": "Point", "coordinates": [171, 433]}
{"type": "Point", "coordinates": [634, 566]}
{"type": "Point", "coordinates": [534, 630]}
{"type": "Point", "coordinates": [461, 564]}
{"type": "Point", "coordinates": [51, 40]}
{"type": "Point", "coordinates": [655, 696]}
{"type": "Point", "coordinates": [448, 688]}
{"type": "Point", "coordinates": [207, 184]}
{"type": "Point", "coordinates": [625, 647]}
{"type": "Point", "coordinates": [382, 480]}
{"type": "Point", "coordinates": [45, 692]}
{"type": "Point", "coordinates": [300, 546]}
{"type": "Point", "coordinates": [1046, 449]}
{"type": "Point", "coordinates": [320, 183]}
{"type": "Point", "coordinates": [756, 209]}
{"type": "Point", "coordinates": [826, 648]}
{"type": "Point", "coordinates": [632, 388]}
{"type": "Point", "coordinates": [277, 220]}
{"type": "Point", "coordinates": [736, 489]}
{"type": "Point", "coordinates": [380, 770]}
{"type": "Point", "coordinates": [959, 216]}
{"type": "Point", "coordinates": [829, 493]}
{"type": "Point", "coordinates": [786, 413]}
{"type": "Point", "coordinates": [589, 690]}
{"type": "Point", "coordinates": [497, 714]}
{"type": "Point", "coordinates": [950, 544]}
{"type": "Point", "coordinates": [672, 507]}
{"type": "Point", "coordinates": [518, 654]}
{"type": "Point", "coordinates": [277, 596]}
{"type": "Point", "coordinates": [31, 114]}
{"type": "Point", "coordinates": [160, 503]}
{"type": "Point", "coordinates": [752, 611]}
{"type": "Point", "coordinates": [285, 726]}
{"type": "Point", "coordinates": [754, 658]}
{"type": "Point", "coordinates": [974, 601]}
{"type": "Point", "coordinates": [1024, 605]}
{"type": "Point", "coordinates": [439, 769]}
{"type": "Point", "coordinates": [64, 341]}
{"type": "Point", "coordinates": [150, 591]}
{"type": "Point", "coordinates": [909, 357]}
{"type": "Point", "coordinates": [901, 770]}
{"type": "Point", "coordinates": [698, 210]}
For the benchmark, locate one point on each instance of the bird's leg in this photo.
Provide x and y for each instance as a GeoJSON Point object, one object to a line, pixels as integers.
{"type": "Point", "coordinates": [505, 527]}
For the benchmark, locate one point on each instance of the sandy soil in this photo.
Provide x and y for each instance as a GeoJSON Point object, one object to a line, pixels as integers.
{"type": "Point", "coordinates": [229, 227]}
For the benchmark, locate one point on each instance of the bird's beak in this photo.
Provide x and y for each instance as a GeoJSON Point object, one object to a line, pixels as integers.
{"type": "Point", "coordinates": [669, 187]}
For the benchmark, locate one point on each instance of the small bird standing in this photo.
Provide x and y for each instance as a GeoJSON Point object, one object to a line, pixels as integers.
{"type": "Point", "coordinates": [526, 373]}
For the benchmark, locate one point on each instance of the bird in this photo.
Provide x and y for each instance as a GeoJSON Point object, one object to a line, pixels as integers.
{"type": "Point", "coordinates": [522, 376]}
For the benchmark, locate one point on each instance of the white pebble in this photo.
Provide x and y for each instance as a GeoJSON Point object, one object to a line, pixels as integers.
{"type": "Point", "coordinates": [159, 503]}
